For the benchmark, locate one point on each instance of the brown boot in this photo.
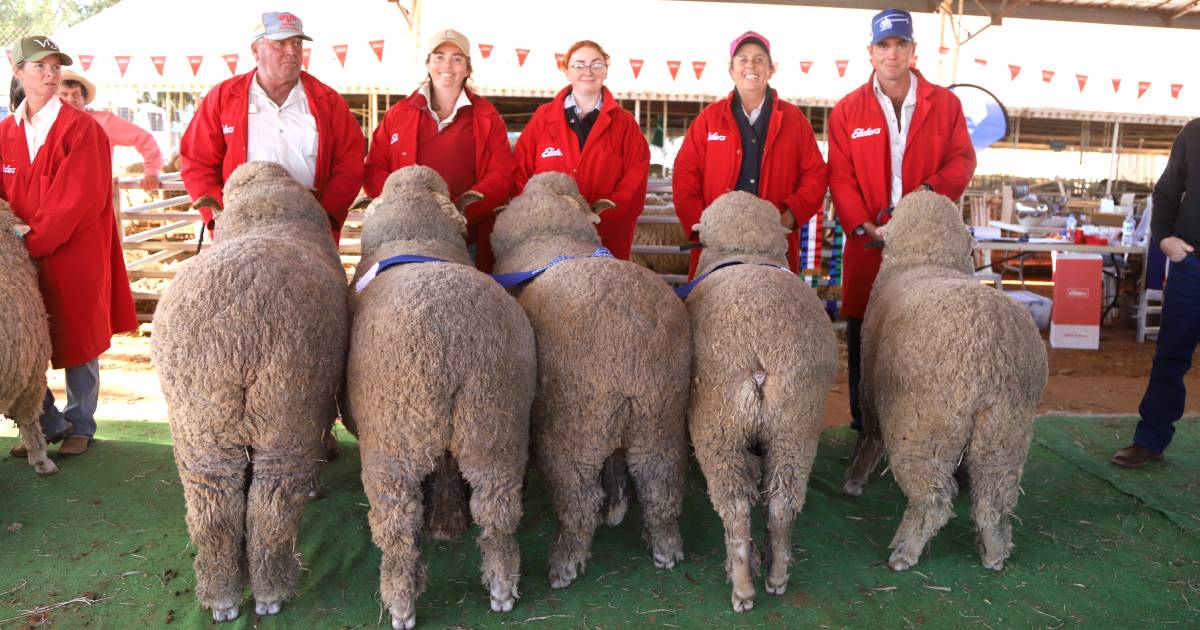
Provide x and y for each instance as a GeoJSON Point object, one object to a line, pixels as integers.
{"type": "Point", "coordinates": [19, 450]}
{"type": "Point", "coordinates": [74, 445]}
{"type": "Point", "coordinates": [1134, 456]}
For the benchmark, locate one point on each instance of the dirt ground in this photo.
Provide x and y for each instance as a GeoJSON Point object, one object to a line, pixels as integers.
{"type": "Point", "coordinates": [1105, 381]}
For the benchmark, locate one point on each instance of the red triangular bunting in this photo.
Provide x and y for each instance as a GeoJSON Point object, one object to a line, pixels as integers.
{"type": "Point", "coordinates": [1175, 89]}
{"type": "Point", "coordinates": [485, 50]}
{"type": "Point", "coordinates": [943, 50]}
{"type": "Point", "coordinates": [377, 46]}
{"type": "Point", "coordinates": [698, 68]}
{"type": "Point", "coordinates": [1142, 87]}
{"type": "Point", "coordinates": [304, 57]}
{"type": "Point", "coordinates": [194, 61]}
{"type": "Point", "coordinates": [558, 60]}
{"type": "Point", "coordinates": [159, 61]}
{"type": "Point", "coordinates": [636, 64]}
{"type": "Point", "coordinates": [1082, 79]}
{"type": "Point", "coordinates": [982, 62]}
{"type": "Point", "coordinates": [340, 51]}
{"type": "Point", "coordinates": [1014, 71]}
{"type": "Point", "coordinates": [1047, 75]}
{"type": "Point", "coordinates": [1116, 85]}
{"type": "Point", "coordinates": [804, 66]}
{"type": "Point", "coordinates": [673, 67]}
{"type": "Point", "coordinates": [85, 61]}
{"type": "Point", "coordinates": [841, 66]}
{"type": "Point", "coordinates": [231, 61]}
{"type": "Point", "coordinates": [122, 63]}
{"type": "Point", "coordinates": [522, 53]}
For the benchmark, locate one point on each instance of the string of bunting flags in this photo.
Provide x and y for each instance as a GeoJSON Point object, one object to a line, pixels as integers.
{"type": "Point", "coordinates": [636, 65]}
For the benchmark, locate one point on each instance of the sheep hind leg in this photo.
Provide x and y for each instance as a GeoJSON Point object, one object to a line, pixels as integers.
{"type": "Point", "coordinates": [866, 458]}
{"type": "Point", "coordinates": [994, 468]}
{"type": "Point", "coordinates": [446, 516]}
{"type": "Point", "coordinates": [214, 493]}
{"type": "Point", "coordinates": [576, 494]}
{"type": "Point", "coordinates": [787, 481]}
{"type": "Point", "coordinates": [496, 506]}
{"type": "Point", "coordinates": [395, 518]}
{"type": "Point", "coordinates": [658, 477]}
{"type": "Point", "coordinates": [614, 478]}
{"type": "Point", "coordinates": [928, 483]}
{"type": "Point", "coordinates": [732, 473]}
{"type": "Point", "coordinates": [26, 410]}
{"type": "Point", "coordinates": [279, 490]}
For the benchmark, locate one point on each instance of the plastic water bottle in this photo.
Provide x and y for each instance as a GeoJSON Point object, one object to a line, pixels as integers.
{"type": "Point", "coordinates": [1127, 228]}
{"type": "Point", "coordinates": [1071, 225]}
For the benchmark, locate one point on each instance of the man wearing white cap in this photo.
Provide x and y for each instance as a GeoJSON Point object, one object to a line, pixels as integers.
{"type": "Point", "coordinates": [277, 113]}
{"type": "Point", "coordinates": [76, 90]}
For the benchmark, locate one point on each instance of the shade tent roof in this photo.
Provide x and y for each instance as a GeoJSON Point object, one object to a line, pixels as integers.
{"type": "Point", "coordinates": [1050, 60]}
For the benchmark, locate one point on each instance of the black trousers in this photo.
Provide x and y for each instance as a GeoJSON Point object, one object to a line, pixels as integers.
{"type": "Point", "coordinates": [854, 367]}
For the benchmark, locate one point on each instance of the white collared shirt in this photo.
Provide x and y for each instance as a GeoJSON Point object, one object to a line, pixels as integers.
{"type": "Point", "coordinates": [37, 129]}
{"type": "Point", "coordinates": [898, 130]}
{"type": "Point", "coordinates": [285, 135]}
{"type": "Point", "coordinates": [569, 101]}
{"type": "Point", "coordinates": [463, 101]}
{"type": "Point", "coordinates": [752, 116]}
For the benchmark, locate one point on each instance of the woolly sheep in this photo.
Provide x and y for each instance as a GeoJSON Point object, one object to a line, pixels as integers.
{"type": "Point", "coordinates": [764, 358]}
{"type": "Point", "coordinates": [667, 234]}
{"type": "Point", "coordinates": [613, 347]}
{"type": "Point", "coordinates": [441, 375]}
{"type": "Point", "coordinates": [249, 343]}
{"type": "Point", "coordinates": [952, 371]}
{"type": "Point", "coordinates": [24, 343]}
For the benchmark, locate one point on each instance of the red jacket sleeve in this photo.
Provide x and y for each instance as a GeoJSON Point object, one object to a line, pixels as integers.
{"type": "Point", "coordinates": [630, 192]}
{"type": "Point", "coordinates": [806, 201]}
{"type": "Point", "coordinates": [848, 199]}
{"type": "Point", "coordinates": [379, 160]}
{"type": "Point", "coordinates": [346, 172]}
{"type": "Point", "coordinates": [202, 152]}
{"type": "Point", "coordinates": [79, 192]}
{"type": "Point", "coordinates": [954, 173]}
{"type": "Point", "coordinates": [495, 182]}
{"type": "Point", "coordinates": [687, 180]}
{"type": "Point", "coordinates": [124, 133]}
{"type": "Point", "coordinates": [525, 153]}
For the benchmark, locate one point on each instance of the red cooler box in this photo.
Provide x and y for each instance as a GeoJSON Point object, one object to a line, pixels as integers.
{"type": "Point", "coordinates": [1075, 319]}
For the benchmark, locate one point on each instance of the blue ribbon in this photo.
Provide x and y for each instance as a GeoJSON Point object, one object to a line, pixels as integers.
{"type": "Point", "coordinates": [684, 290]}
{"type": "Point", "coordinates": [509, 280]}
{"type": "Point", "coordinates": [386, 263]}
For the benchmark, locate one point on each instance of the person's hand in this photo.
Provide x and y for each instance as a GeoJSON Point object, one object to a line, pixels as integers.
{"type": "Point", "coordinates": [872, 231]}
{"type": "Point", "coordinates": [602, 204]}
{"type": "Point", "coordinates": [21, 230]}
{"type": "Point", "coordinates": [150, 182]}
{"type": "Point", "coordinates": [208, 201]}
{"type": "Point", "coordinates": [787, 220]}
{"type": "Point", "coordinates": [467, 198]}
{"type": "Point", "coordinates": [1175, 248]}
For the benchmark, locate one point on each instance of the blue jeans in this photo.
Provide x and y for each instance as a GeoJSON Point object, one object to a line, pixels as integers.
{"type": "Point", "coordinates": [1178, 333]}
{"type": "Point", "coordinates": [83, 395]}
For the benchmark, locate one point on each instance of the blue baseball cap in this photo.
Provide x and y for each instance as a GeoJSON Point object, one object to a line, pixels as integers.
{"type": "Point", "coordinates": [891, 23]}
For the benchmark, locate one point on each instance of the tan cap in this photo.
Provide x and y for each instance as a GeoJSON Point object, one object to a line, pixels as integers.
{"type": "Point", "coordinates": [89, 90]}
{"type": "Point", "coordinates": [450, 36]}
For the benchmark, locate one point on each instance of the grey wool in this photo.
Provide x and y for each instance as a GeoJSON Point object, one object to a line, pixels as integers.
{"type": "Point", "coordinates": [250, 344]}
{"type": "Point", "coordinates": [764, 358]}
{"type": "Point", "coordinates": [613, 352]}
{"type": "Point", "coordinates": [440, 380]}
{"type": "Point", "coordinates": [24, 343]}
{"type": "Point", "coordinates": [952, 374]}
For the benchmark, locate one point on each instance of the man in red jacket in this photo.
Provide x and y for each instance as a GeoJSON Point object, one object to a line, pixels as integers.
{"type": "Point", "coordinates": [894, 134]}
{"type": "Point", "coordinates": [753, 141]}
{"type": "Point", "coordinates": [277, 113]}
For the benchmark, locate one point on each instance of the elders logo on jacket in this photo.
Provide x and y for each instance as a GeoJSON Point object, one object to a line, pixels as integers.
{"type": "Point", "coordinates": [227, 129]}
{"type": "Point", "coordinates": [712, 135]}
{"type": "Point", "coordinates": [10, 169]}
{"type": "Point", "coordinates": [552, 152]}
{"type": "Point", "coordinates": [861, 132]}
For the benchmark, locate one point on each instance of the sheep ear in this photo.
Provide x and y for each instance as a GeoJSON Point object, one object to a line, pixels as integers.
{"type": "Point", "coordinates": [21, 229]}
{"type": "Point", "coordinates": [448, 206]}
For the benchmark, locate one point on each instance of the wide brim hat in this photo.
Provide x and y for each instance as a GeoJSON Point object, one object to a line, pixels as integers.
{"type": "Point", "coordinates": [89, 88]}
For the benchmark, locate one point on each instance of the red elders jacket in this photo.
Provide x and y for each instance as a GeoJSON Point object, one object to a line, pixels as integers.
{"type": "Point", "coordinates": [938, 152]}
{"type": "Point", "coordinates": [65, 196]}
{"type": "Point", "coordinates": [614, 163]}
{"type": "Point", "coordinates": [215, 144]}
{"type": "Point", "coordinates": [394, 146]}
{"type": "Point", "coordinates": [793, 174]}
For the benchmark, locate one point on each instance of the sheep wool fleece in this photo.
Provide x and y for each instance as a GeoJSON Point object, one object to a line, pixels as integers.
{"type": "Point", "coordinates": [441, 362]}
{"type": "Point", "coordinates": [614, 346]}
{"type": "Point", "coordinates": [249, 343]}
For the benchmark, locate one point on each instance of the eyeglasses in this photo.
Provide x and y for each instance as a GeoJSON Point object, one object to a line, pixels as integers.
{"type": "Point", "coordinates": [456, 60]}
{"type": "Point", "coordinates": [595, 66]}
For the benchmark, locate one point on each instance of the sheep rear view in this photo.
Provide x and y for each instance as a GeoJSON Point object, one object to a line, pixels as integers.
{"type": "Point", "coordinates": [24, 343]}
{"type": "Point", "coordinates": [249, 344]}
{"type": "Point", "coordinates": [764, 359]}
{"type": "Point", "coordinates": [441, 376]}
{"type": "Point", "coordinates": [613, 348]}
{"type": "Point", "coordinates": [952, 372]}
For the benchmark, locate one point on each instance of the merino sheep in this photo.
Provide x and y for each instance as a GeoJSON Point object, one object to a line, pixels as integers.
{"type": "Point", "coordinates": [249, 343]}
{"type": "Point", "coordinates": [952, 371]}
{"type": "Point", "coordinates": [441, 375]}
{"type": "Point", "coordinates": [24, 343]}
{"type": "Point", "coordinates": [613, 347]}
{"type": "Point", "coordinates": [661, 234]}
{"type": "Point", "coordinates": [764, 358]}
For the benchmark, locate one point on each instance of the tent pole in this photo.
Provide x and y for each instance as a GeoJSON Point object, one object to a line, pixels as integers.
{"type": "Point", "coordinates": [1114, 158]}
{"type": "Point", "coordinates": [666, 122]}
{"type": "Point", "coordinates": [373, 116]}
{"type": "Point", "coordinates": [637, 112]}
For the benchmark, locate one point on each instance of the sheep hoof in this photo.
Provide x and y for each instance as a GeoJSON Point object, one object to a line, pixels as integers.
{"type": "Point", "coordinates": [224, 612]}
{"type": "Point", "coordinates": [852, 488]}
{"type": "Point", "coordinates": [266, 608]}
{"type": "Point", "coordinates": [504, 604]}
{"type": "Point", "coordinates": [777, 589]}
{"type": "Point", "coordinates": [900, 564]}
{"type": "Point", "coordinates": [404, 617]}
{"type": "Point", "coordinates": [315, 492]}
{"type": "Point", "coordinates": [616, 512]}
{"type": "Point", "coordinates": [563, 576]}
{"type": "Point", "coordinates": [994, 565]}
{"type": "Point", "coordinates": [667, 559]}
{"type": "Point", "coordinates": [44, 467]}
{"type": "Point", "coordinates": [742, 604]}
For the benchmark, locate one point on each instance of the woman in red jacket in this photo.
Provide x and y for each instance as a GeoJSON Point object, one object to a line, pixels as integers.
{"type": "Point", "coordinates": [586, 133]}
{"type": "Point", "coordinates": [445, 126]}
{"type": "Point", "coordinates": [56, 176]}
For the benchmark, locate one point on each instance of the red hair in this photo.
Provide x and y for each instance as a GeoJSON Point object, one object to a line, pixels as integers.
{"type": "Point", "coordinates": [583, 43]}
